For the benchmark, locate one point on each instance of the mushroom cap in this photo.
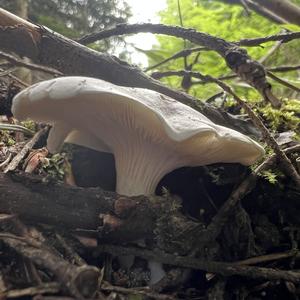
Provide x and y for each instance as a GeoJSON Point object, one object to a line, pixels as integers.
{"type": "Point", "coordinates": [98, 114]}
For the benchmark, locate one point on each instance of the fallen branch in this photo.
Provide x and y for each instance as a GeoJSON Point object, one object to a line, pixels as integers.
{"type": "Point", "coordinates": [142, 292]}
{"type": "Point", "coordinates": [284, 37]}
{"type": "Point", "coordinates": [179, 54]}
{"type": "Point", "coordinates": [81, 281]}
{"type": "Point", "coordinates": [46, 288]}
{"type": "Point", "coordinates": [28, 65]}
{"type": "Point", "coordinates": [283, 82]}
{"type": "Point", "coordinates": [38, 200]}
{"type": "Point", "coordinates": [20, 156]}
{"type": "Point", "coordinates": [236, 58]}
{"type": "Point", "coordinates": [159, 75]}
{"type": "Point", "coordinates": [225, 269]}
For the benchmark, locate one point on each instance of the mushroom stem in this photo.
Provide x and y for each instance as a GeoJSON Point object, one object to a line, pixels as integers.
{"type": "Point", "coordinates": [141, 167]}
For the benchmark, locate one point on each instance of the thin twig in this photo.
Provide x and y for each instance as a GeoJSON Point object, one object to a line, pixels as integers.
{"type": "Point", "coordinates": [28, 65]}
{"type": "Point", "coordinates": [17, 159]}
{"type": "Point", "coordinates": [283, 68]}
{"type": "Point", "coordinates": [182, 53]}
{"type": "Point", "coordinates": [6, 161]}
{"type": "Point", "coordinates": [206, 79]}
{"type": "Point", "coordinates": [221, 218]}
{"type": "Point", "coordinates": [7, 71]}
{"type": "Point", "coordinates": [187, 52]}
{"type": "Point", "coordinates": [284, 37]}
{"type": "Point", "coordinates": [285, 163]}
{"type": "Point", "coordinates": [18, 128]}
{"type": "Point", "coordinates": [70, 251]}
{"type": "Point", "coordinates": [46, 288]}
{"type": "Point", "coordinates": [214, 97]}
{"type": "Point", "coordinates": [222, 268]}
{"type": "Point", "coordinates": [283, 82]}
{"type": "Point", "coordinates": [159, 75]}
{"type": "Point", "coordinates": [272, 159]}
{"type": "Point", "coordinates": [273, 49]}
{"type": "Point", "coordinates": [110, 288]}
{"type": "Point", "coordinates": [13, 77]}
{"type": "Point", "coordinates": [245, 6]}
{"type": "Point", "coordinates": [81, 282]}
{"type": "Point", "coordinates": [268, 257]}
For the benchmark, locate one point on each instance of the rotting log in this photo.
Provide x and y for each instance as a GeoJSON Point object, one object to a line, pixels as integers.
{"type": "Point", "coordinates": [104, 215]}
{"type": "Point", "coordinates": [37, 200]}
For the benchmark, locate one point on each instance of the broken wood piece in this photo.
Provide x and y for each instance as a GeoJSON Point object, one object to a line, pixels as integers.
{"type": "Point", "coordinates": [80, 282]}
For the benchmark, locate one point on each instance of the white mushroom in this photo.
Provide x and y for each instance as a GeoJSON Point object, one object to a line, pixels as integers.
{"type": "Point", "coordinates": [149, 134]}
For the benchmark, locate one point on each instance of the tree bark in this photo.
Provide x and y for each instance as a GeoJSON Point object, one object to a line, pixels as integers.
{"type": "Point", "coordinates": [38, 200]}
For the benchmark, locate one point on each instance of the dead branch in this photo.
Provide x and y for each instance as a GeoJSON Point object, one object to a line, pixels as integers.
{"type": "Point", "coordinates": [279, 69]}
{"type": "Point", "coordinates": [284, 68]}
{"type": "Point", "coordinates": [39, 200]}
{"type": "Point", "coordinates": [283, 82]}
{"type": "Point", "coordinates": [236, 58]}
{"type": "Point", "coordinates": [45, 288]}
{"type": "Point", "coordinates": [16, 160]}
{"type": "Point", "coordinates": [28, 65]}
{"type": "Point", "coordinates": [285, 163]}
{"type": "Point", "coordinates": [142, 292]}
{"type": "Point", "coordinates": [179, 54]}
{"type": "Point", "coordinates": [225, 269]}
{"type": "Point", "coordinates": [284, 37]}
{"type": "Point", "coordinates": [80, 281]}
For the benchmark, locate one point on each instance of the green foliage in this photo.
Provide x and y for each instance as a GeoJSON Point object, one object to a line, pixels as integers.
{"type": "Point", "coordinates": [54, 166]}
{"type": "Point", "coordinates": [231, 23]}
{"type": "Point", "coordinates": [75, 18]}
{"type": "Point", "coordinates": [270, 176]}
{"type": "Point", "coordinates": [6, 138]}
{"type": "Point", "coordinates": [29, 125]}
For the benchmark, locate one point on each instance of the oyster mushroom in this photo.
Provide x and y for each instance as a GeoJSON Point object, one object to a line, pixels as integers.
{"type": "Point", "coordinates": [149, 134]}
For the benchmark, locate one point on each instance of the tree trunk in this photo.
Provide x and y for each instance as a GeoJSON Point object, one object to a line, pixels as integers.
{"type": "Point", "coordinates": [22, 11]}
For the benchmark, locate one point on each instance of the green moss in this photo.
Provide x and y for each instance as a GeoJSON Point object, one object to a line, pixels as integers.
{"type": "Point", "coordinates": [283, 119]}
